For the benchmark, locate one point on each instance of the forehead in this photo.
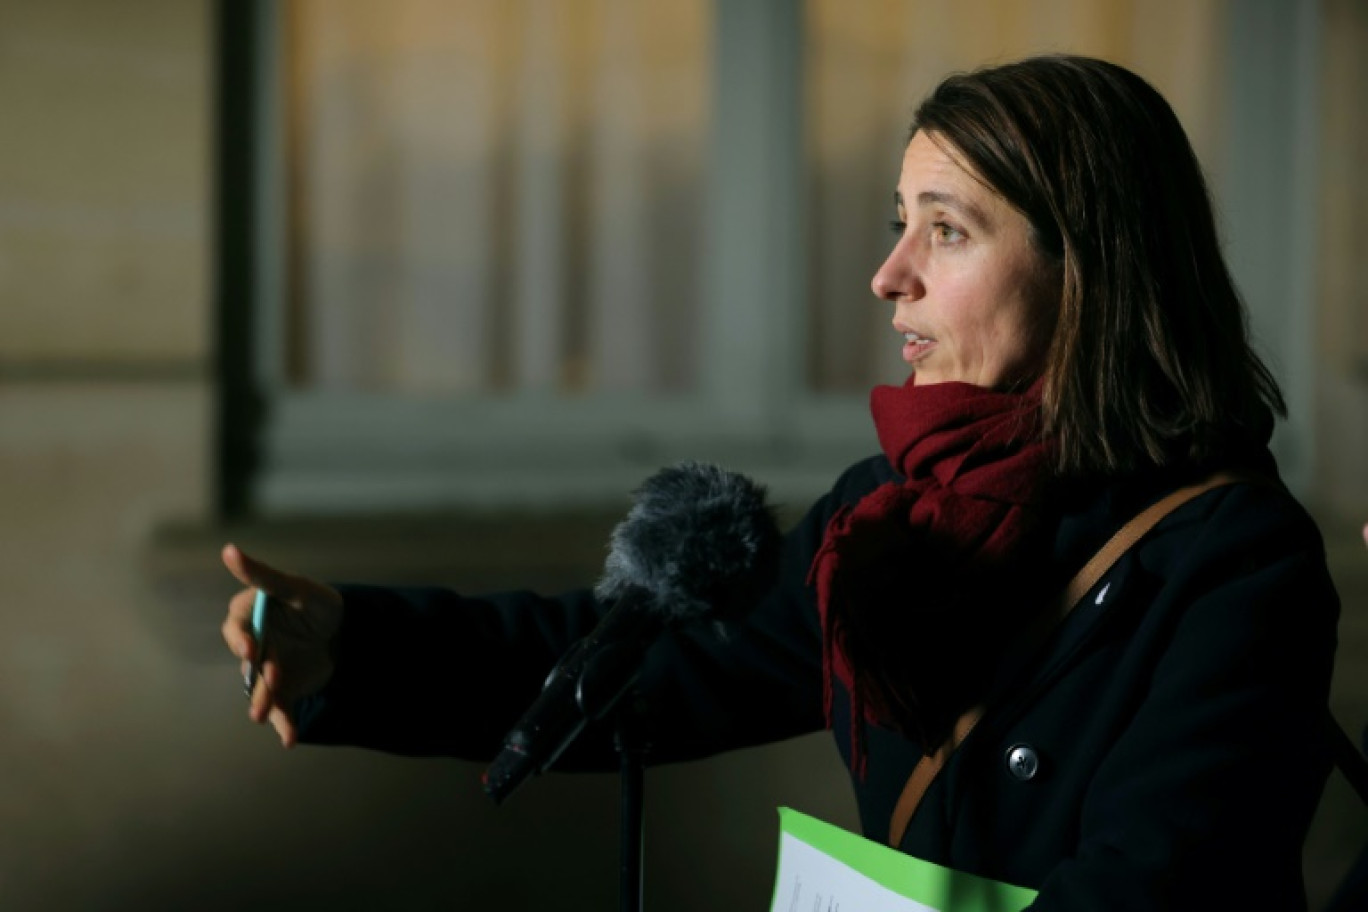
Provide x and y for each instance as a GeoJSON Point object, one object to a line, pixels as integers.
{"type": "Point", "coordinates": [931, 168]}
{"type": "Point", "coordinates": [928, 154]}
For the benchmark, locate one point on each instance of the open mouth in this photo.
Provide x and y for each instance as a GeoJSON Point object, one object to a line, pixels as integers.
{"type": "Point", "coordinates": [916, 346]}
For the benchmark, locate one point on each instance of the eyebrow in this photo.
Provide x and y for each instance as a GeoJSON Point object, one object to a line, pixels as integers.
{"type": "Point", "coordinates": [929, 197]}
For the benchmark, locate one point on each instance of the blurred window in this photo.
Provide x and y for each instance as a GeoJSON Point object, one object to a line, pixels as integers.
{"type": "Point", "coordinates": [490, 198]}
{"type": "Point", "coordinates": [529, 250]}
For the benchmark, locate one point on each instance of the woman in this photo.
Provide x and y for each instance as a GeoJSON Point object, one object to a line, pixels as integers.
{"type": "Point", "coordinates": [1078, 351]}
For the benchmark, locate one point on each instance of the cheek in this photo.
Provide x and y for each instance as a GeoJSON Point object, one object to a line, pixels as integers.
{"type": "Point", "coordinates": [993, 324]}
{"type": "Point", "coordinates": [996, 322]}
{"type": "Point", "coordinates": [1026, 326]}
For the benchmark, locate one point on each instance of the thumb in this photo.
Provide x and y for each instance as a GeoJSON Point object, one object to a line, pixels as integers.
{"type": "Point", "coordinates": [1365, 534]}
{"type": "Point", "coordinates": [254, 573]}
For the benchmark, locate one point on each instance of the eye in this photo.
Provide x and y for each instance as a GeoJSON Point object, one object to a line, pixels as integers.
{"type": "Point", "coordinates": [946, 233]}
{"type": "Point", "coordinates": [897, 226]}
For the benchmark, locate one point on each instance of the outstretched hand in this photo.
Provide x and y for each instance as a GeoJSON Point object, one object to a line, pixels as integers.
{"type": "Point", "coordinates": [301, 630]}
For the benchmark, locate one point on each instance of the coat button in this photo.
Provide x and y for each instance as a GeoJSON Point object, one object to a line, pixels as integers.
{"type": "Point", "coordinates": [1023, 762]}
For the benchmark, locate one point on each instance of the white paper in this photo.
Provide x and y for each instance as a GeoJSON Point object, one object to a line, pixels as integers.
{"type": "Point", "coordinates": [809, 880]}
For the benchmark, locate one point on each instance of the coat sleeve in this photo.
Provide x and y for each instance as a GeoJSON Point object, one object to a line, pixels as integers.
{"type": "Point", "coordinates": [432, 672]}
{"type": "Point", "coordinates": [1206, 796]}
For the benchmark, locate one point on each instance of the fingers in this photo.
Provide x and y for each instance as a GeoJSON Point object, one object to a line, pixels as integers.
{"type": "Point", "coordinates": [237, 626]}
{"type": "Point", "coordinates": [257, 575]}
{"type": "Point", "coordinates": [267, 705]}
{"type": "Point", "coordinates": [236, 561]}
{"type": "Point", "coordinates": [267, 701]}
{"type": "Point", "coordinates": [263, 694]}
{"type": "Point", "coordinates": [284, 726]}
{"type": "Point", "coordinates": [1365, 534]}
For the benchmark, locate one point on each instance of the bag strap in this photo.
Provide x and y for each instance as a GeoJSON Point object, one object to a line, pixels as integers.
{"type": "Point", "coordinates": [1346, 754]}
{"type": "Point", "coordinates": [930, 765]}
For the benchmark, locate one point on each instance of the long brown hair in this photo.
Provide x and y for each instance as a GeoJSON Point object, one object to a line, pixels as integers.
{"type": "Point", "coordinates": [1150, 363]}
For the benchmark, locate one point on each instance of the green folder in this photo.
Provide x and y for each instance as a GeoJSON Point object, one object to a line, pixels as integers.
{"type": "Point", "coordinates": [823, 868]}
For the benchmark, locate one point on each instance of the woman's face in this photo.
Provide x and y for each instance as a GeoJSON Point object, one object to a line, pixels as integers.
{"type": "Point", "coordinates": [972, 296]}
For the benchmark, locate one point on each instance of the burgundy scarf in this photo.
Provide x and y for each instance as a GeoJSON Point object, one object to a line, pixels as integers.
{"type": "Point", "coordinates": [919, 584]}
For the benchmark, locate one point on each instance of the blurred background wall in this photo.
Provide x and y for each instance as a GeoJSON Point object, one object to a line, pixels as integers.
{"type": "Point", "coordinates": [328, 279]}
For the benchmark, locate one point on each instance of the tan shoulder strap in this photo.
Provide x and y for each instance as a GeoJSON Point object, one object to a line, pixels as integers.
{"type": "Point", "coordinates": [930, 765]}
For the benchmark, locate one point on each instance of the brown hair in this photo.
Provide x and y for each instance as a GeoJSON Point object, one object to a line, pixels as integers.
{"type": "Point", "coordinates": [1150, 363]}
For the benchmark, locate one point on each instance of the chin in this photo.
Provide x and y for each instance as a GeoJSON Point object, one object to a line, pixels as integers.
{"type": "Point", "coordinates": [920, 379]}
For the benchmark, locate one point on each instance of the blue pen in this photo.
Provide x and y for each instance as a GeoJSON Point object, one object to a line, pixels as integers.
{"type": "Point", "coordinates": [259, 635]}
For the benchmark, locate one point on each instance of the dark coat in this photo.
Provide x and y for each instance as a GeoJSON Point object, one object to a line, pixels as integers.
{"type": "Point", "coordinates": [1176, 717]}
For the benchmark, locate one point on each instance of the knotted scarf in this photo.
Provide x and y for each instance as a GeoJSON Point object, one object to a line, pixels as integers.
{"type": "Point", "coordinates": [920, 584]}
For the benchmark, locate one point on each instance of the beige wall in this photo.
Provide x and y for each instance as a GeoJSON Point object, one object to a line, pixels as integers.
{"type": "Point", "coordinates": [104, 180]}
{"type": "Point", "coordinates": [1342, 379]}
{"type": "Point", "coordinates": [104, 303]}
{"type": "Point", "coordinates": [128, 778]}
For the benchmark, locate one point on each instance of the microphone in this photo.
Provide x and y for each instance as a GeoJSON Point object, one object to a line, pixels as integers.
{"type": "Point", "coordinates": [699, 543]}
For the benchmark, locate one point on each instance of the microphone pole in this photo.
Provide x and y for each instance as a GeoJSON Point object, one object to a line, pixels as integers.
{"type": "Point", "coordinates": [632, 746]}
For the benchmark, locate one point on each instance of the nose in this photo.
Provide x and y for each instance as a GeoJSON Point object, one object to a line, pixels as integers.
{"type": "Point", "coordinates": [898, 279]}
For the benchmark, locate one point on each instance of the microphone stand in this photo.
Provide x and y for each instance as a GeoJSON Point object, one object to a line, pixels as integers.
{"type": "Point", "coordinates": [600, 682]}
{"type": "Point", "coordinates": [632, 745]}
